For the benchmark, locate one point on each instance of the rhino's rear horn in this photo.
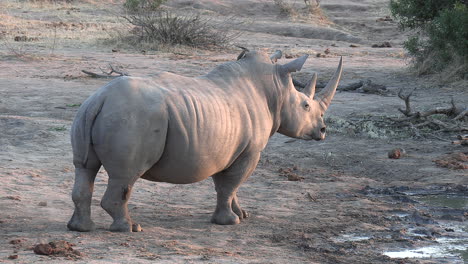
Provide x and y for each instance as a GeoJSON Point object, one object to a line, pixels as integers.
{"type": "Point", "coordinates": [326, 95]}
{"type": "Point", "coordinates": [295, 65]}
{"type": "Point", "coordinates": [309, 89]}
{"type": "Point", "coordinates": [276, 56]}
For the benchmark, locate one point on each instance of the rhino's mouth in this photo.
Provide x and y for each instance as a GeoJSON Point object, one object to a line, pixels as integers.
{"type": "Point", "coordinates": [308, 137]}
{"type": "Point", "coordinates": [311, 137]}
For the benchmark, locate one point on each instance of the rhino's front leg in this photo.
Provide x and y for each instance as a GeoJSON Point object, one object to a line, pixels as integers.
{"type": "Point", "coordinates": [228, 211]}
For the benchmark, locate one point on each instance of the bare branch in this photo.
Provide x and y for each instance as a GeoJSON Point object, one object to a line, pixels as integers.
{"type": "Point", "coordinates": [461, 115]}
{"type": "Point", "coordinates": [106, 74]}
{"type": "Point", "coordinates": [407, 111]}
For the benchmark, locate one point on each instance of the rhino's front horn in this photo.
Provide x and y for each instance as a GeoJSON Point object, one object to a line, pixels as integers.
{"type": "Point", "coordinates": [276, 56]}
{"type": "Point", "coordinates": [326, 95]}
{"type": "Point", "coordinates": [309, 89]}
{"type": "Point", "coordinates": [295, 65]}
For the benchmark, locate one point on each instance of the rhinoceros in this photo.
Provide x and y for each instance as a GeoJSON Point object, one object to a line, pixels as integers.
{"type": "Point", "coordinates": [182, 130]}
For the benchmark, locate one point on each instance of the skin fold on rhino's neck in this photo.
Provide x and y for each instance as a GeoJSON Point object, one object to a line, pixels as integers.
{"type": "Point", "coordinates": [265, 79]}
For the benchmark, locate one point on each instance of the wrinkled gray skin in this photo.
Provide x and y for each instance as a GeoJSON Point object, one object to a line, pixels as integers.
{"type": "Point", "coordinates": [183, 130]}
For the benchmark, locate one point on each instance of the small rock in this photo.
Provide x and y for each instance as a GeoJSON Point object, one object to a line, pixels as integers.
{"type": "Point", "coordinates": [14, 197]}
{"type": "Point", "coordinates": [42, 204]}
{"type": "Point", "coordinates": [16, 241]}
{"type": "Point", "coordinates": [354, 46]}
{"type": "Point", "coordinates": [294, 177]}
{"type": "Point", "coordinates": [396, 153]}
{"type": "Point", "coordinates": [13, 257]}
{"type": "Point", "coordinates": [25, 38]}
{"type": "Point", "coordinates": [327, 51]}
{"type": "Point", "coordinates": [373, 88]}
{"type": "Point", "coordinates": [43, 249]}
{"type": "Point", "coordinates": [449, 230]}
{"type": "Point", "coordinates": [385, 44]}
{"type": "Point", "coordinates": [334, 45]}
{"type": "Point", "coordinates": [136, 228]}
{"type": "Point", "coordinates": [386, 18]}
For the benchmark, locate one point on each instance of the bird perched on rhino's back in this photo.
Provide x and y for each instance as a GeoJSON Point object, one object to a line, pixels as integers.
{"type": "Point", "coordinates": [183, 130]}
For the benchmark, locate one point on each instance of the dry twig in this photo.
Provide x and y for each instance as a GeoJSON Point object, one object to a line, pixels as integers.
{"type": "Point", "coordinates": [107, 74]}
{"type": "Point", "coordinates": [419, 119]}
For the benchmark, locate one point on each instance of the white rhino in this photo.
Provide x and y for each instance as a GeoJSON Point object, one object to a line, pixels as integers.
{"type": "Point", "coordinates": [181, 130]}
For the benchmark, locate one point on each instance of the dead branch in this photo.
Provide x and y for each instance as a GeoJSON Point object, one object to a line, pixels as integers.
{"type": "Point", "coordinates": [418, 119]}
{"type": "Point", "coordinates": [407, 111]}
{"type": "Point", "coordinates": [107, 74]}
{"type": "Point", "coordinates": [461, 115]}
{"type": "Point", "coordinates": [415, 130]}
{"type": "Point", "coordinates": [321, 84]}
{"type": "Point", "coordinates": [453, 110]}
{"type": "Point", "coordinates": [351, 86]}
{"type": "Point", "coordinates": [460, 142]}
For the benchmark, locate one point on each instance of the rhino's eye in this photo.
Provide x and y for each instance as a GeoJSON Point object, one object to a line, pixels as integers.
{"type": "Point", "coordinates": [307, 107]}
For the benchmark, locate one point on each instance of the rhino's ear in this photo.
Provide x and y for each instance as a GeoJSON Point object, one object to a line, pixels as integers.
{"type": "Point", "coordinates": [276, 56]}
{"type": "Point", "coordinates": [242, 54]}
{"type": "Point", "coordinates": [295, 65]}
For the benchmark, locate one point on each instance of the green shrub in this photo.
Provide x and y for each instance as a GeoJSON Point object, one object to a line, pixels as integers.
{"type": "Point", "coordinates": [439, 39]}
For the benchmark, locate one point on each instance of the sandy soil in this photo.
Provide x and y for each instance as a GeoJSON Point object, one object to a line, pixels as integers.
{"type": "Point", "coordinates": [306, 221]}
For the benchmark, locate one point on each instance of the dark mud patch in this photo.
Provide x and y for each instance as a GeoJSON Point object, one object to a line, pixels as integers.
{"type": "Point", "coordinates": [59, 248]}
{"type": "Point", "coordinates": [429, 225]}
{"type": "Point", "coordinates": [454, 161]}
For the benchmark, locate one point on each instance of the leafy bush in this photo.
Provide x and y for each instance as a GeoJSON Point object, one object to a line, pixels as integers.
{"type": "Point", "coordinates": [439, 39]}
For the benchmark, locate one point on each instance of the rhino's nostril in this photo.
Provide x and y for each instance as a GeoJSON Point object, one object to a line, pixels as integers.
{"type": "Point", "coordinates": [323, 129]}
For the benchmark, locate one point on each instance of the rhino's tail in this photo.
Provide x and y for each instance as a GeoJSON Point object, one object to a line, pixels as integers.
{"type": "Point", "coordinates": [82, 127]}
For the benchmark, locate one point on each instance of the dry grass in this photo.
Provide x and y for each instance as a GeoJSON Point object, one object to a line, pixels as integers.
{"type": "Point", "coordinates": [309, 11]}
{"type": "Point", "coordinates": [48, 26]}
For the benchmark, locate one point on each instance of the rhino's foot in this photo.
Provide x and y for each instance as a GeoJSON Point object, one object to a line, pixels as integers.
{"type": "Point", "coordinates": [225, 218]}
{"type": "Point", "coordinates": [240, 212]}
{"type": "Point", "coordinates": [124, 226]}
{"type": "Point", "coordinates": [243, 214]}
{"type": "Point", "coordinates": [81, 226]}
{"type": "Point", "coordinates": [121, 226]}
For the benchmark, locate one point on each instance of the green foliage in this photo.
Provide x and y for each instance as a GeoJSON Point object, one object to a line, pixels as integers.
{"type": "Point", "coordinates": [448, 33]}
{"type": "Point", "coordinates": [439, 38]}
{"type": "Point", "coordinates": [133, 6]}
{"type": "Point", "coordinates": [417, 13]}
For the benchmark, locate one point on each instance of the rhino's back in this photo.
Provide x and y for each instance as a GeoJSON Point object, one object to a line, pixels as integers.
{"type": "Point", "coordinates": [210, 125]}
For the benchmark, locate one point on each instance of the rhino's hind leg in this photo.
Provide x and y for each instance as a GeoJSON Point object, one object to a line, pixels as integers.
{"type": "Point", "coordinates": [228, 211]}
{"type": "Point", "coordinates": [115, 203]}
{"type": "Point", "coordinates": [81, 195]}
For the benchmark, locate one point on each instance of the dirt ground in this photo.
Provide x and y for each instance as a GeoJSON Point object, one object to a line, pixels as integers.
{"type": "Point", "coordinates": [351, 203]}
